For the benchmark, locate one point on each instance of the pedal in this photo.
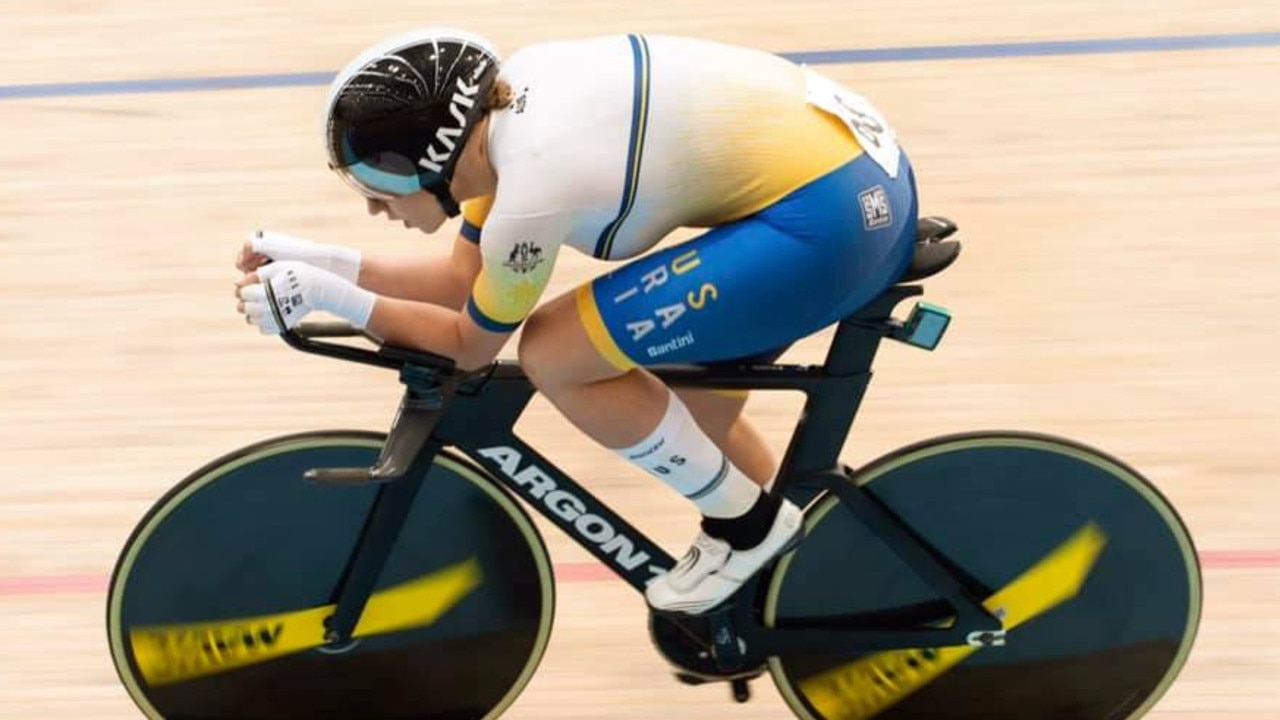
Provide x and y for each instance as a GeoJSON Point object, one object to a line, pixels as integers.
{"type": "Point", "coordinates": [739, 686]}
{"type": "Point", "coordinates": [726, 647]}
{"type": "Point", "coordinates": [703, 648]}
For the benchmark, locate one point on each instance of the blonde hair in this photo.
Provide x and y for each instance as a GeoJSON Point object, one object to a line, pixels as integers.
{"type": "Point", "coordinates": [500, 96]}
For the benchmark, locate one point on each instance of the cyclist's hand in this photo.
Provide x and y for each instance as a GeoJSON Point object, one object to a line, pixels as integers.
{"type": "Point", "coordinates": [300, 289]}
{"type": "Point", "coordinates": [264, 247]}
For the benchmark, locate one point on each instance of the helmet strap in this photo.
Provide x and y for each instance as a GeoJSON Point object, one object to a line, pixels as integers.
{"type": "Point", "coordinates": [440, 190]}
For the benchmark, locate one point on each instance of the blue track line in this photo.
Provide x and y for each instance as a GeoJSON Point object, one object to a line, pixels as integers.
{"type": "Point", "coordinates": [1040, 48]}
{"type": "Point", "coordinates": [820, 57]}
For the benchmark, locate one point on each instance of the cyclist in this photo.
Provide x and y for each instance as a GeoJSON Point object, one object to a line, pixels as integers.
{"type": "Point", "coordinates": [606, 145]}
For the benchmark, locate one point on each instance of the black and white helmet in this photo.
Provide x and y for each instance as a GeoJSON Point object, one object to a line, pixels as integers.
{"type": "Point", "coordinates": [398, 115]}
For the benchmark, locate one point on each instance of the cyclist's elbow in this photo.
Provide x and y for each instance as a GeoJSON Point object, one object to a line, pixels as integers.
{"type": "Point", "coordinates": [473, 353]}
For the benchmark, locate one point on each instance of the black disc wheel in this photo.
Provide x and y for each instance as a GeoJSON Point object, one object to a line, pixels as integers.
{"type": "Point", "coordinates": [1092, 571]}
{"type": "Point", "coordinates": [217, 604]}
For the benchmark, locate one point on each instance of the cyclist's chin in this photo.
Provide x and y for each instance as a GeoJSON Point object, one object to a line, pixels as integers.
{"type": "Point", "coordinates": [429, 227]}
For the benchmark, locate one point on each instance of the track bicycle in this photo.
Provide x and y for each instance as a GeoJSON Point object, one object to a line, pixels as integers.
{"type": "Point", "coordinates": [349, 574]}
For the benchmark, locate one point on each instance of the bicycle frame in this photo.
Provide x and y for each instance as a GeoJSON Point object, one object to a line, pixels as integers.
{"type": "Point", "coordinates": [476, 414]}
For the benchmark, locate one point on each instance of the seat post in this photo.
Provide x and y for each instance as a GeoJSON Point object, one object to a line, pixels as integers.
{"type": "Point", "coordinates": [858, 336]}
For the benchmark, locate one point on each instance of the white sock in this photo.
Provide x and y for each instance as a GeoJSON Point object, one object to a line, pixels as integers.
{"type": "Point", "coordinates": [678, 453]}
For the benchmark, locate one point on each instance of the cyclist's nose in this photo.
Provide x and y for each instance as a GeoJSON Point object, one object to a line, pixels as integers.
{"type": "Point", "coordinates": [378, 207]}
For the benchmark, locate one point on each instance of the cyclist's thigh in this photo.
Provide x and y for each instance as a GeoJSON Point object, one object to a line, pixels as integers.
{"type": "Point", "coordinates": [762, 282]}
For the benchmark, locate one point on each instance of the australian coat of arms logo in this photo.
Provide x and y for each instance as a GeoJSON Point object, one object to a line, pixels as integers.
{"type": "Point", "coordinates": [524, 258]}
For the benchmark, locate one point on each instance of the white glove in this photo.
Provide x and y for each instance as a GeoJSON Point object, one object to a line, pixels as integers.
{"type": "Point", "coordinates": [337, 259]}
{"type": "Point", "coordinates": [301, 289]}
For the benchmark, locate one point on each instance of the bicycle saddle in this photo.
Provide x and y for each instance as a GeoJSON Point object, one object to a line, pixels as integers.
{"type": "Point", "coordinates": [933, 252]}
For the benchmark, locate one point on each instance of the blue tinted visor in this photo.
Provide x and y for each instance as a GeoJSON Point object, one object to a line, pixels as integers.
{"type": "Point", "coordinates": [371, 179]}
{"type": "Point", "coordinates": [390, 176]}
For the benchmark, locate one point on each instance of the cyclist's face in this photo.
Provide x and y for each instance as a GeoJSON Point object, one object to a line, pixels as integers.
{"type": "Point", "coordinates": [421, 211]}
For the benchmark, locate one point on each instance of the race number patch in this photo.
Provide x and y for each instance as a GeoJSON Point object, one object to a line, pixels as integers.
{"type": "Point", "coordinates": [876, 212]}
{"type": "Point", "coordinates": [877, 138]}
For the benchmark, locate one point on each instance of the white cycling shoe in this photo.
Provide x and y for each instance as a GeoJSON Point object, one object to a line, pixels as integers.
{"type": "Point", "coordinates": [712, 570]}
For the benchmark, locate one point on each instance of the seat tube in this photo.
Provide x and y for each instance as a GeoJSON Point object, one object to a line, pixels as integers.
{"type": "Point", "coordinates": [831, 407]}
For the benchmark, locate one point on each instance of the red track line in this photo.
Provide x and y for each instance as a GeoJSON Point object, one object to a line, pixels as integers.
{"type": "Point", "coordinates": [86, 584]}
{"type": "Point", "coordinates": [1228, 559]}
{"type": "Point", "coordinates": [52, 585]}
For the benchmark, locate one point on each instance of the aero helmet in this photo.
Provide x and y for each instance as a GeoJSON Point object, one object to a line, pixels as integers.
{"type": "Point", "coordinates": [398, 115]}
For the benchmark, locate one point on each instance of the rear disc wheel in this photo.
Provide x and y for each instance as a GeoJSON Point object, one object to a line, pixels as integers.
{"type": "Point", "coordinates": [1022, 517]}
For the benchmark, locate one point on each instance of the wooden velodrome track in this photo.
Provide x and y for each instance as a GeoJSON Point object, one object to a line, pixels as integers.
{"type": "Point", "coordinates": [1118, 286]}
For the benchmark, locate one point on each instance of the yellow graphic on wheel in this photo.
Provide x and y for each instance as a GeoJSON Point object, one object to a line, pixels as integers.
{"type": "Point", "coordinates": [869, 686]}
{"type": "Point", "coordinates": [168, 654]}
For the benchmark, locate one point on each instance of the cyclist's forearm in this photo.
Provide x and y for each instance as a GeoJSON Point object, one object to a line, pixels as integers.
{"type": "Point", "coordinates": [434, 280]}
{"type": "Point", "coordinates": [435, 329]}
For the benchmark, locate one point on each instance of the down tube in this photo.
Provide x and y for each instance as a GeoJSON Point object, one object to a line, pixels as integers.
{"type": "Point", "coordinates": [625, 550]}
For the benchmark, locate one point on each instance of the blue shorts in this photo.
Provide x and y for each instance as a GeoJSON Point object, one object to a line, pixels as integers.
{"type": "Point", "coordinates": [754, 286]}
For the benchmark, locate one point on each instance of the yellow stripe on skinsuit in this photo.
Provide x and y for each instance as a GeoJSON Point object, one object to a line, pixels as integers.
{"type": "Point", "coordinates": [593, 322]}
{"type": "Point", "coordinates": [821, 144]}
{"type": "Point", "coordinates": [476, 211]}
{"type": "Point", "coordinates": [511, 302]}
{"type": "Point", "coordinates": [749, 134]}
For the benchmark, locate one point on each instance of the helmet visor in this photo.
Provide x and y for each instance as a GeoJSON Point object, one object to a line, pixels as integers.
{"type": "Point", "coordinates": [379, 175]}
{"type": "Point", "coordinates": [388, 175]}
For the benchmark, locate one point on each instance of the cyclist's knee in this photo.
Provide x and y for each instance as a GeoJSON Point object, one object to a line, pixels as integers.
{"type": "Point", "coordinates": [550, 352]}
{"type": "Point", "coordinates": [556, 352]}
